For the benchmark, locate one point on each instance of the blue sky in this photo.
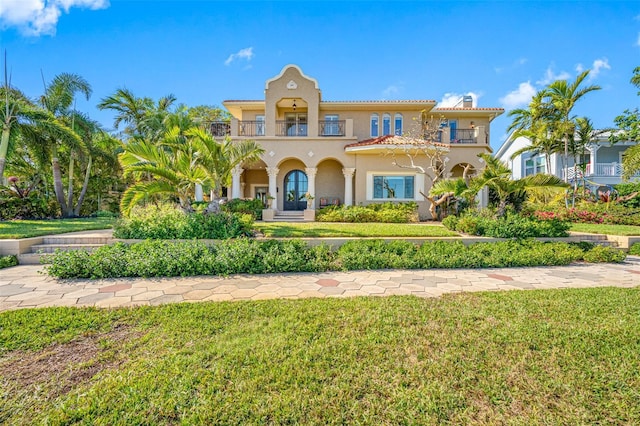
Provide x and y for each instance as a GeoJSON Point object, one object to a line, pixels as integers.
{"type": "Point", "coordinates": [207, 51]}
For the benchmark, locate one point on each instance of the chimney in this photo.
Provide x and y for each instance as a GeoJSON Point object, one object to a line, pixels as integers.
{"type": "Point", "coordinates": [467, 102]}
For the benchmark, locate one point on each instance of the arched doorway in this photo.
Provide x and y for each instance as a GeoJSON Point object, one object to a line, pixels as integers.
{"type": "Point", "coordinates": [295, 186]}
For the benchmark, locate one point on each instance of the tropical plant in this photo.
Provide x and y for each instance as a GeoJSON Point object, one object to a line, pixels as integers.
{"type": "Point", "coordinates": [628, 124]}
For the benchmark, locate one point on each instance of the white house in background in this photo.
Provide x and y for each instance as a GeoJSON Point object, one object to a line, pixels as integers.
{"type": "Point", "coordinates": [602, 161]}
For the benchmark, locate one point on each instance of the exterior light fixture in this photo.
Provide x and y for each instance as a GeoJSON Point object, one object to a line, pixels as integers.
{"type": "Point", "coordinates": [294, 105]}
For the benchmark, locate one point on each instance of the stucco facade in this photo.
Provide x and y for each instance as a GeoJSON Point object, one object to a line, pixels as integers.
{"type": "Point", "coordinates": [338, 151]}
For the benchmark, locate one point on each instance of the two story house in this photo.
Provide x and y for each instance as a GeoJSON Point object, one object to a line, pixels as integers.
{"type": "Point", "coordinates": [339, 151]}
{"type": "Point", "coordinates": [599, 165]}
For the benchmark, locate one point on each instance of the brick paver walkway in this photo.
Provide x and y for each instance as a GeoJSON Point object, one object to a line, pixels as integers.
{"type": "Point", "coordinates": [26, 287]}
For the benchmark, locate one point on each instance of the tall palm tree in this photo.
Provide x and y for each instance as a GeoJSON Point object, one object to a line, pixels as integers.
{"type": "Point", "coordinates": [563, 96]}
{"type": "Point", "coordinates": [58, 98]}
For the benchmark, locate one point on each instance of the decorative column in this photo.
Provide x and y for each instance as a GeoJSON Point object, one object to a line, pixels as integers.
{"type": "Point", "coordinates": [235, 182]}
{"type": "Point", "coordinates": [348, 185]}
{"type": "Point", "coordinates": [273, 191]}
{"type": "Point", "coordinates": [311, 185]}
{"type": "Point", "coordinates": [199, 193]}
{"type": "Point", "coordinates": [593, 159]}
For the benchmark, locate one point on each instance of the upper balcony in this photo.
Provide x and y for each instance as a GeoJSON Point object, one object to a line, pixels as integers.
{"type": "Point", "coordinates": [283, 128]}
{"type": "Point", "coordinates": [475, 136]}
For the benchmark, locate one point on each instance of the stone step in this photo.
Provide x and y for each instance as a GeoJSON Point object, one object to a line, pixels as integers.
{"type": "Point", "coordinates": [51, 248]}
{"type": "Point", "coordinates": [29, 259]}
{"type": "Point", "coordinates": [77, 240]}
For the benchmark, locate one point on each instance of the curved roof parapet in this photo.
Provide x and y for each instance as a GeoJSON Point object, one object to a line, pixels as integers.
{"type": "Point", "coordinates": [315, 82]}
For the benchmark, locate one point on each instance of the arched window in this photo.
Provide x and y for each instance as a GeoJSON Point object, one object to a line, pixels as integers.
{"type": "Point", "coordinates": [386, 124]}
{"type": "Point", "coordinates": [397, 124]}
{"type": "Point", "coordinates": [374, 125]}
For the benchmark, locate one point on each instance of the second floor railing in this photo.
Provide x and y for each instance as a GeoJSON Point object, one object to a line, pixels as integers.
{"type": "Point", "coordinates": [220, 128]}
{"type": "Point", "coordinates": [464, 136]}
{"type": "Point", "coordinates": [332, 127]}
{"type": "Point", "coordinates": [251, 128]}
{"type": "Point", "coordinates": [290, 128]}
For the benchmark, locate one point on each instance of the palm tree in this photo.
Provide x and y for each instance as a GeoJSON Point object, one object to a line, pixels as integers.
{"type": "Point", "coordinates": [175, 171]}
{"type": "Point", "coordinates": [219, 158]}
{"type": "Point", "coordinates": [563, 96]}
{"type": "Point", "coordinates": [58, 98]}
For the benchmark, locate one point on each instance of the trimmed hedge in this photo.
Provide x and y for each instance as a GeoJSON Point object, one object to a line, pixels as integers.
{"type": "Point", "coordinates": [167, 222]}
{"type": "Point", "coordinates": [511, 225]}
{"type": "Point", "coordinates": [379, 212]}
{"type": "Point", "coordinates": [154, 258]}
{"type": "Point", "coordinates": [252, 207]}
{"type": "Point", "coordinates": [7, 261]}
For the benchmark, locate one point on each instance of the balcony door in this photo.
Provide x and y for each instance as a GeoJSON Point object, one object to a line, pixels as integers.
{"type": "Point", "coordinates": [295, 186]}
{"type": "Point", "coordinates": [296, 124]}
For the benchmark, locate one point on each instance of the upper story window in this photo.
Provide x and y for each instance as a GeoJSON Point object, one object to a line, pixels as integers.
{"type": "Point", "coordinates": [453, 127]}
{"type": "Point", "coordinates": [386, 124]}
{"type": "Point", "coordinates": [534, 165]}
{"type": "Point", "coordinates": [374, 125]}
{"type": "Point", "coordinates": [259, 125]}
{"type": "Point", "coordinates": [331, 126]}
{"type": "Point", "coordinates": [397, 124]}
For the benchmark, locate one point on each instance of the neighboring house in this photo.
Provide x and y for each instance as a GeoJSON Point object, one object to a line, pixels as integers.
{"type": "Point", "coordinates": [600, 165]}
{"type": "Point", "coordinates": [337, 151]}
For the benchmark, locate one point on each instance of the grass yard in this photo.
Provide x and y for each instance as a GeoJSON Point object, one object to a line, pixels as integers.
{"type": "Point", "coordinates": [625, 230]}
{"type": "Point", "coordinates": [329, 229]}
{"type": "Point", "coordinates": [527, 357]}
{"type": "Point", "coordinates": [36, 228]}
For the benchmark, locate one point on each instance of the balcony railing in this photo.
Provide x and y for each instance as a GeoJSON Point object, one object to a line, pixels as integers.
{"type": "Point", "coordinates": [332, 127]}
{"type": "Point", "coordinates": [251, 128]}
{"type": "Point", "coordinates": [600, 169]}
{"type": "Point", "coordinates": [220, 128]}
{"type": "Point", "coordinates": [464, 136]}
{"type": "Point", "coordinates": [288, 128]}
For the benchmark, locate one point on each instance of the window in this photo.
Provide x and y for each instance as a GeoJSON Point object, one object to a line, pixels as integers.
{"type": "Point", "coordinates": [374, 125]}
{"type": "Point", "coordinates": [398, 125]}
{"type": "Point", "coordinates": [453, 126]}
{"type": "Point", "coordinates": [535, 165]}
{"type": "Point", "coordinates": [393, 187]}
{"type": "Point", "coordinates": [386, 124]}
{"type": "Point", "coordinates": [259, 125]}
{"type": "Point", "coordinates": [331, 126]}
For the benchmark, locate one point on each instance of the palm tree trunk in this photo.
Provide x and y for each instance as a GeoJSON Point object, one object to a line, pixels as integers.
{"type": "Point", "coordinates": [85, 185]}
{"type": "Point", "coordinates": [70, 187]}
{"type": "Point", "coordinates": [57, 182]}
{"type": "Point", "coordinates": [4, 148]}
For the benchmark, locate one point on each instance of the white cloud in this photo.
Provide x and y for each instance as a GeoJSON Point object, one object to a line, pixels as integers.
{"type": "Point", "coordinates": [450, 100]}
{"type": "Point", "coordinates": [37, 17]}
{"type": "Point", "coordinates": [550, 76]}
{"type": "Point", "coordinates": [246, 53]}
{"type": "Point", "coordinates": [519, 97]}
{"type": "Point", "coordinates": [638, 40]}
{"type": "Point", "coordinates": [599, 65]}
{"type": "Point", "coordinates": [579, 68]}
{"type": "Point", "coordinates": [517, 63]}
{"type": "Point", "coordinates": [391, 91]}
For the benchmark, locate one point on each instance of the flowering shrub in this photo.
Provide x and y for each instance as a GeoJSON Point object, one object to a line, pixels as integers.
{"type": "Point", "coordinates": [608, 213]}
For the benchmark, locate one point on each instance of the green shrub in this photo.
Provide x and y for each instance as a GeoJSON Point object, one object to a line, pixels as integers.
{"type": "Point", "coordinates": [379, 212]}
{"type": "Point", "coordinates": [167, 222]}
{"type": "Point", "coordinates": [154, 258]}
{"type": "Point", "coordinates": [33, 206]}
{"type": "Point", "coordinates": [252, 207]}
{"type": "Point", "coordinates": [511, 225]}
{"type": "Point", "coordinates": [589, 212]}
{"type": "Point", "coordinates": [602, 254]}
{"type": "Point", "coordinates": [7, 261]}
{"type": "Point", "coordinates": [635, 249]}
{"type": "Point", "coordinates": [628, 188]}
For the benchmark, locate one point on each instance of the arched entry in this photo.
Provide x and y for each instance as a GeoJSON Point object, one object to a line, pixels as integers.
{"type": "Point", "coordinates": [295, 187]}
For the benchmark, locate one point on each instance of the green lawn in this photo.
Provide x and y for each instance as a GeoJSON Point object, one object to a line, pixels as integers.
{"type": "Point", "coordinates": [36, 228]}
{"type": "Point", "coordinates": [606, 229]}
{"type": "Point", "coordinates": [328, 229]}
{"type": "Point", "coordinates": [535, 357]}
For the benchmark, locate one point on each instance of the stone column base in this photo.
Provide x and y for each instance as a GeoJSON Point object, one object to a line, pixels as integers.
{"type": "Point", "coordinates": [309, 215]}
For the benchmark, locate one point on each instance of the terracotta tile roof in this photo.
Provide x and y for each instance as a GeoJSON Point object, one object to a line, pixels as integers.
{"type": "Point", "coordinates": [387, 140]}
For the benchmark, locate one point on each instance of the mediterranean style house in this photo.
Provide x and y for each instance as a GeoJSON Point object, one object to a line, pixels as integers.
{"type": "Point", "coordinates": [340, 152]}
{"type": "Point", "coordinates": [599, 165]}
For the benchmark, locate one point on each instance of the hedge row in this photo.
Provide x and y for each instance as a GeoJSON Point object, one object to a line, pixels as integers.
{"type": "Point", "coordinates": [167, 222]}
{"type": "Point", "coordinates": [378, 212]}
{"type": "Point", "coordinates": [157, 258]}
{"type": "Point", "coordinates": [512, 225]}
